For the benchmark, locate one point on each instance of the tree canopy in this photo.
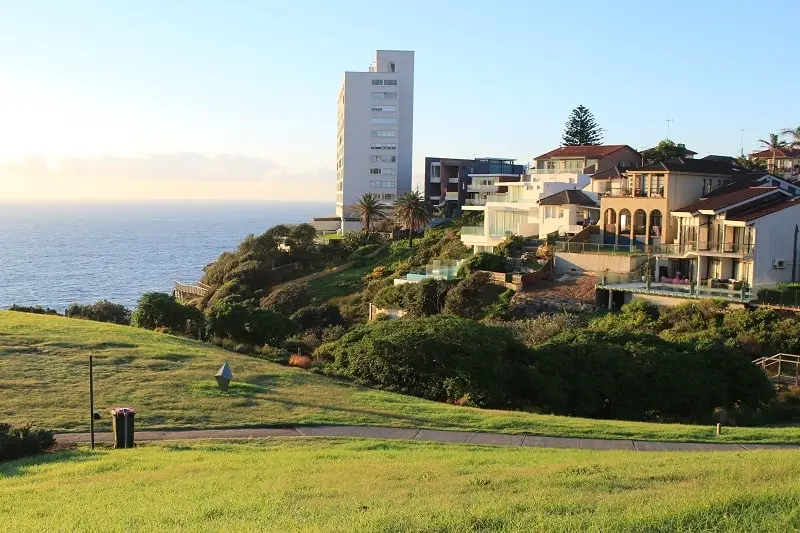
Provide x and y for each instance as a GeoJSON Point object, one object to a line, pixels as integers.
{"type": "Point", "coordinates": [665, 150]}
{"type": "Point", "coordinates": [581, 128]}
{"type": "Point", "coordinates": [412, 212]}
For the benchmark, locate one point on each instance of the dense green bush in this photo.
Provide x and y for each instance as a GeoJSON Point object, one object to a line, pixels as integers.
{"type": "Point", "coordinates": [439, 358]}
{"type": "Point", "coordinates": [35, 309]}
{"type": "Point", "coordinates": [287, 299]}
{"type": "Point", "coordinates": [639, 376]}
{"type": "Point", "coordinates": [417, 299]}
{"type": "Point", "coordinates": [160, 310]}
{"type": "Point", "coordinates": [533, 332]}
{"type": "Point", "coordinates": [357, 240]}
{"type": "Point", "coordinates": [473, 297]}
{"type": "Point", "coordinates": [246, 324]}
{"type": "Point", "coordinates": [511, 246]}
{"type": "Point", "coordinates": [101, 311]}
{"type": "Point", "coordinates": [317, 317]}
{"type": "Point", "coordinates": [280, 254]}
{"type": "Point", "coordinates": [483, 261]}
{"type": "Point", "coordinates": [17, 442]}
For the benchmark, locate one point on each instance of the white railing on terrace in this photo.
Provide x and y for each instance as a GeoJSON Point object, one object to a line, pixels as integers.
{"type": "Point", "coordinates": [781, 368]}
{"type": "Point", "coordinates": [534, 171]}
{"type": "Point", "coordinates": [683, 288]}
{"type": "Point", "coordinates": [655, 249]}
{"type": "Point", "coordinates": [482, 188]}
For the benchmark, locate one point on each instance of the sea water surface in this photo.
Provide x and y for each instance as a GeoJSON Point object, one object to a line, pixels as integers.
{"type": "Point", "coordinates": [53, 255]}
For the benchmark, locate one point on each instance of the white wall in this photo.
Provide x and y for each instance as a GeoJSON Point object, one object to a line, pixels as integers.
{"type": "Point", "coordinates": [357, 114]}
{"type": "Point", "coordinates": [775, 240]}
{"type": "Point", "coordinates": [588, 262]}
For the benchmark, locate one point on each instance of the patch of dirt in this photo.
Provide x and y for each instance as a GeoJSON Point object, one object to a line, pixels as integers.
{"type": "Point", "coordinates": [575, 294]}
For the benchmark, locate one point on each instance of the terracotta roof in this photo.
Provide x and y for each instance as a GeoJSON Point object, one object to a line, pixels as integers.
{"type": "Point", "coordinates": [748, 213]}
{"type": "Point", "coordinates": [693, 166]}
{"type": "Point", "coordinates": [608, 173]}
{"type": "Point", "coordinates": [721, 201]}
{"type": "Point", "coordinates": [587, 150]}
{"type": "Point", "coordinates": [780, 152]}
{"type": "Point", "coordinates": [570, 196]}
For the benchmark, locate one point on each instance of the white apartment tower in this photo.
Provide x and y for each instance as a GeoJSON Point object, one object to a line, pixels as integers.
{"type": "Point", "coordinates": [375, 131]}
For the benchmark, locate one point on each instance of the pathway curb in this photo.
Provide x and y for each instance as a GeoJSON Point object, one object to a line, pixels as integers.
{"type": "Point", "coordinates": [432, 435]}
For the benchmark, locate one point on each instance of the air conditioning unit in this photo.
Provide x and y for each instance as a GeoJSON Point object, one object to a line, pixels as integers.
{"type": "Point", "coordinates": [778, 263]}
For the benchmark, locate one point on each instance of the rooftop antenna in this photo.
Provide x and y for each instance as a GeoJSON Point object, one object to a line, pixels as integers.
{"type": "Point", "coordinates": [668, 121]}
{"type": "Point", "coordinates": [741, 141]}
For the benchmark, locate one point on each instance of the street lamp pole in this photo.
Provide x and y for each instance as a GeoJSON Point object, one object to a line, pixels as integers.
{"type": "Point", "coordinates": [91, 400]}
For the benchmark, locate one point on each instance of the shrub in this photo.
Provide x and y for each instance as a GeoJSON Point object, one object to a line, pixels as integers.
{"type": "Point", "coordinates": [439, 358]}
{"type": "Point", "coordinates": [354, 240]}
{"type": "Point", "coordinates": [378, 273]}
{"type": "Point", "coordinates": [536, 331]}
{"type": "Point", "coordinates": [483, 261]}
{"type": "Point", "coordinates": [287, 299]}
{"type": "Point", "coordinates": [511, 246]}
{"type": "Point", "coordinates": [417, 299]}
{"type": "Point", "coordinates": [303, 343]}
{"type": "Point", "coordinates": [159, 310]}
{"type": "Point", "coordinates": [333, 333]}
{"type": "Point", "coordinates": [36, 310]}
{"type": "Point", "coordinates": [300, 361]}
{"type": "Point", "coordinates": [17, 442]}
{"type": "Point", "coordinates": [101, 311]}
{"type": "Point", "coordinates": [472, 297]}
{"type": "Point", "coordinates": [317, 316]}
{"type": "Point", "coordinates": [243, 323]}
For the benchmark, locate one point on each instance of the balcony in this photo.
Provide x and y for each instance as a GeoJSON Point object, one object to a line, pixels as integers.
{"type": "Point", "coordinates": [436, 179]}
{"type": "Point", "coordinates": [451, 195]}
{"type": "Point", "coordinates": [475, 201]}
{"type": "Point", "coordinates": [482, 188]}
{"type": "Point", "coordinates": [684, 288]}
{"type": "Point", "coordinates": [452, 180]}
{"type": "Point", "coordinates": [477, 231]}
{"type": "Point", "coordinates": [622, 192]}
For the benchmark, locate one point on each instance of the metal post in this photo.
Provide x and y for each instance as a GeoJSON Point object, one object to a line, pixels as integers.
{"type": "Point", "coordinates": [91, 401]}
{"type": "Point", "coordinates": [794, 255]}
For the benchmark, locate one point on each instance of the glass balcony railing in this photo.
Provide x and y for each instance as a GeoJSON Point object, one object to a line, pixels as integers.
{"type": "Point", "coordinates": [472, 230]}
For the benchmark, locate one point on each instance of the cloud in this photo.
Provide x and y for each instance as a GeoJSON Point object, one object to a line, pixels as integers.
{"type": "Point", "coordinates": [182, 166]}
{"type": "Point", "coordinates": [184, 175]}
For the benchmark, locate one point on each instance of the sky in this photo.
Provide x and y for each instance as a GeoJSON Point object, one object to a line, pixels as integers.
{"type": "Point", "coordinates": [236, 99]}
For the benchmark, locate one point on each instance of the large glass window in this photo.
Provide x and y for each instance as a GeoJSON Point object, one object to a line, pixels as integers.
{"type": "Point", "coordinates": [436, 170]}
{"type": "Point", "coordinates": [383, 108]}
{"type": "Point", "coordinates": [384, 120]}
{"type": "Point", "coordinates": [383, 146]}
{"type": "Point", "coordinates": [383, 133]}
{"type": "Point", "coordinates": [385, 95]}
{"type": "Point", "coordinates": [390, 82]}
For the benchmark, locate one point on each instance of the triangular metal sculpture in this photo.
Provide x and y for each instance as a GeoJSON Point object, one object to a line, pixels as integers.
{"type": "Point", "coordinates": [224, 376]}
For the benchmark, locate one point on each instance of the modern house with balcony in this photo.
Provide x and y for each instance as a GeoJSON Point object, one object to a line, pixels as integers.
{"type": "Point", "coordinates": [726, 245]}
{"type": "Point", "coordinates": [784, 162]}
{"type": "Point", "coordinates": [448, 181]}
{"type": "Point", "coordinates": [635, 204]}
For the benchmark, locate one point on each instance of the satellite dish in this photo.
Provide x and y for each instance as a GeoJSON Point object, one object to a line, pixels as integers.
{"type": "Point", "coordinates": [224, 376]}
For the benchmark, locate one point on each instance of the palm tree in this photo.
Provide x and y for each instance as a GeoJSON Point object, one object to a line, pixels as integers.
{"type": "Point", "coordinates": [794, 136]}
{"type": "Point", "coordinates": [774, 143]}
{"type": "Point", "coordinates": [371, 210]}
{"type": "Point", "coordinates": [755, 164]}
{"type": "Point", "coordinates": [412, 213]}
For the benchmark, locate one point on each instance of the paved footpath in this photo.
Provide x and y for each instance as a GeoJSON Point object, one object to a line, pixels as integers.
{"type": "Point", "coordinates": [429, 435]}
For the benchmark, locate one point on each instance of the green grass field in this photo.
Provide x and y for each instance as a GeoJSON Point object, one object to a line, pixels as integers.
{"type": "Point", "coordinates": [169, 380]}
{"type": "Point", "coordinates": [371, 485]}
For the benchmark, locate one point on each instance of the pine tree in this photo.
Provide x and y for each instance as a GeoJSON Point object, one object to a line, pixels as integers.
{"type": "Point", "coordinates": [581, 128]}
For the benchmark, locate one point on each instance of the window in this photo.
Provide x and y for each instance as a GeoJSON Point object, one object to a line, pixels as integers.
{"type": "Point", "coordinates": [379, 184]}
{"type": "Point", "coordinates": [383, 158]}
{"type": "Point", "coordinates": [374, 171]}
{"type": "Point", "coordinates": [377, 82]}
{"type": "Point", "coordinates": [383, 146]}
{"type": "Point", "coordinates": [436, 170]}
{"type": "Point", "coordinates": [383, 133]}
{"type": "Point", "coordinates": [384, 120]}
{"type": "Point", "coordinates": [384, 109]}
{"type": "Point", "coordinates": [390, 82]}
{"type": "Point", "coordinates": [385, 95]}
{"type": "Point", "coordinates": [391, 66]}
{"type": "Point", "coordinates": [561, 213]}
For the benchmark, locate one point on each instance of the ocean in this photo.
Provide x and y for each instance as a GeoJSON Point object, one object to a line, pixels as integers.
{"type": "Point", "coordinates": [53, 255]}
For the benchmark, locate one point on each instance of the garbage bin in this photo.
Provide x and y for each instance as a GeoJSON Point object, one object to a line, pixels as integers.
{"type": "Point", "coordinates": [122, 423]}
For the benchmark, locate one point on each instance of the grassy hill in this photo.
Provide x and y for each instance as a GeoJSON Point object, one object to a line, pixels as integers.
{"type": "Point", "coordinates": [169, 380]}
{"type": "Point", "coordinates": [370, 485]}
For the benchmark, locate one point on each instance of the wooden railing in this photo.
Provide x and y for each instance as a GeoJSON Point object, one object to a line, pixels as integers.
{"type": "Point", "coordinates": [185, 291]}
{"type": "Point", "coordinates": [781, 368]}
